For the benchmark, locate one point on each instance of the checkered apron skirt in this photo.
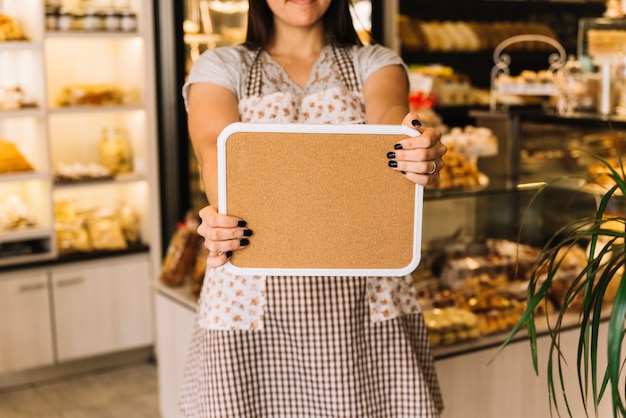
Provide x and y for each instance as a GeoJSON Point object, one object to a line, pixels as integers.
{"type": "Point", "coordinates": [319, 355]}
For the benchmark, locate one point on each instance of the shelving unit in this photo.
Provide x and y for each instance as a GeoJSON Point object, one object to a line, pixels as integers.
{"type": "Point", "coordinates": [20, 65]}
{"type": "Point", "coordinates": [50, 134]}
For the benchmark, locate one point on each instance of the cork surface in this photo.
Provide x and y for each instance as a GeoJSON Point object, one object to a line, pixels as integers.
{"type": "Point", "coordinates": [320, 201]}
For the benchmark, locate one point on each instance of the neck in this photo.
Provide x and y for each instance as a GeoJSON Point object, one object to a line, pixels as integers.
{"type": "Point", "coordinates": [297, 42]}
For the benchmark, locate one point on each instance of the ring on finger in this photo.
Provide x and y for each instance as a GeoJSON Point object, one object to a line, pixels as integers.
{"type": "Point", "coordinates": [434, 168]}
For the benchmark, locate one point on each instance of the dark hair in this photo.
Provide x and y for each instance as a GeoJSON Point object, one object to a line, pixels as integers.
{"type": "Point", "coordinates": [337, 23]}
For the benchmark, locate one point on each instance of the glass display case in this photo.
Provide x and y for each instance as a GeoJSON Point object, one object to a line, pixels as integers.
{"type": "Point", "coordinates": [602, 50]}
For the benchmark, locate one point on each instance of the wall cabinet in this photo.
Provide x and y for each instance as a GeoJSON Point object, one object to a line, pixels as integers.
{"type": "Point", "coordinates": [25, 325]}
{"type": "Point", "coordinates": [101, 308]}
{"type": "Point", "coordinates": [67, 312]}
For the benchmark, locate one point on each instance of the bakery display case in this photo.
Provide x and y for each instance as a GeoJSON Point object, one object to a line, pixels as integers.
{"type": "Point", "coordinates": [84, 124]}
{"type": "Point", "coordinates": [79, 183]}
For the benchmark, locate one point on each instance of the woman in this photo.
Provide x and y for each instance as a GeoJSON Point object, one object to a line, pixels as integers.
{"type": "Point", "coordinates": [304, 346]}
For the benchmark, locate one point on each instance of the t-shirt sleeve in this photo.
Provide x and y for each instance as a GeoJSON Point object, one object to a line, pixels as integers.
{"type": "Point", "coordinates": [369, 59]}
{"type": "Point", "coordinates": [220, 66]}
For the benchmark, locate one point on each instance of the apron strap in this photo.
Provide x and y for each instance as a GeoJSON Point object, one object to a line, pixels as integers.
{"type": "Point", "coordinates": [255, 78]}
{"type": "Point", "coordinates": [342, 58]}
{"type": "Point", "coordinates": [346, 67]}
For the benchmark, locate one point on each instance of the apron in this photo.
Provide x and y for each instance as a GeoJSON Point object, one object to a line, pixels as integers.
{"type": "Point", "coordinates": [308, 346]}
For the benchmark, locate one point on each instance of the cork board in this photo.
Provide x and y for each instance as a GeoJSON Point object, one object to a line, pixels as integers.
{"type": "Point", "coordinates": [320, 199]}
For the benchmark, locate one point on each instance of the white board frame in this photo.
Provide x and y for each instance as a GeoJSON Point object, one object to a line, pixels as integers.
{"type": "Point", "coordinates": [322, 129]}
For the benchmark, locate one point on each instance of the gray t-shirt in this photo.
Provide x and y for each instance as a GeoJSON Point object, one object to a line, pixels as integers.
{"type": "Point", "coordinates": [230, 66]}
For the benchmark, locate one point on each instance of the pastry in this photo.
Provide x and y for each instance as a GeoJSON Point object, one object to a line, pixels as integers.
{"type": "Point", "coordinates": [10, 30]}
{"type": "Point", "coordinates": [11, 160]}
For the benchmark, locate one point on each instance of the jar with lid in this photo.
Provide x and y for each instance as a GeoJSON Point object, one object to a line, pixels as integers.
{"type": "Point", "coordinates": [570, 85]}
{"type": "Point", "coordinates": [93, 20]}
{"type": "Point", "coordinates": [115, 151]}
{"type": "Point", "coordinates": [128, 22]}
{"type": "Point", "coordinates": [79, 20]}
{"type": "Point", "coordinates": [52, 18]}
{"type": "Point", "coordinates": [112, 20]}
{"type": "Point", "coordinates": [66, 20]}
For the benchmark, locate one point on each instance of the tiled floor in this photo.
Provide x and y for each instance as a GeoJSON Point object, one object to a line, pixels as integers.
{"type": "Point", "coordinates": [122, 392]}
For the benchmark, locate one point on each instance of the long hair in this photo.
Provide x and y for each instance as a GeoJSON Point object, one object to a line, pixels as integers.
{"type": "Point", "coordinates": [337, 23]}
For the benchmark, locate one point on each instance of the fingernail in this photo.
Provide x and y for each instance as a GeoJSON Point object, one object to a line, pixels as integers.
{"type": "Point", "coordinates": [416, 123]}
{"type": "Point", "coordinates": [229, 254]}
{"type": "Point", "coordinates": [403, 172]}
{"type": "Point", "coordinates": [397, 146]}
{"type": "Point", "coordinates": [247, 233]}
{"type": "Point", "coordinates": [242, 223]}
{"type": "Point", "coordinates": [244, 242]}
{"type": "Point", "coordinates": [391, 154]}
{"type": "Point", "coordinates": [393, 163]}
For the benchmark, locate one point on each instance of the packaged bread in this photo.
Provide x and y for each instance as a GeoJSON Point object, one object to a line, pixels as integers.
{"type": "Point", "coordinates": [105, 231]}
{"type": "Point", "coordinates": [410, 34]}
{"type": "Point", "coordinates": [181, 255]}
{"type": "Point", "coordinates": [129, 221]}
{"type": "Point", "coordinates": [72, 238]}
{"type": "Point", "coordinates": [15, 214]}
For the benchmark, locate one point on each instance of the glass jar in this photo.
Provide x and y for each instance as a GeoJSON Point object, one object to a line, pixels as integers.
{"type": "Point", "coordinates": [128, 22]}
{"type": "Point", "coordinates": [66, 20]}
{"type": "Point", "coordinates": [52, 18]}
{"type": "Point", "coordinates": [93, 20]}
{"type": "Point", "coordinates": [79, 20]}
{"type": "Point", "coordinates": [570, 85]}
{"type": "Point", "coordinates": [115, 151]}
{"type": "Point", "coordinates": [112, 20]}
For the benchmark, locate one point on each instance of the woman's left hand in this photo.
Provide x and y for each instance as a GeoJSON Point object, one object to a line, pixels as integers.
{"type": "Point", "coordinates": [419, 158]}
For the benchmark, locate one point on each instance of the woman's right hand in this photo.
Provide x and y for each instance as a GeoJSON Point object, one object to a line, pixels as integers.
{"type": "Point", "coordinates": [222, 235]}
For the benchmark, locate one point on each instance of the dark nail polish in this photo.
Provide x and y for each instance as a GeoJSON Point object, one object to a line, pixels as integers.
{"type": "Point", "coordinates": [393, 163]}
{"type": "Point", "coordinates": [416, 123]}
{"type": "Point", "coordinates": [244, 242]}
{"type": "Point", "coordinates": [229, 254]}
{"type": "Point", "coordinates": [403, 172]}
{"type": "Point", "coordinates": [391, 154]}
{"type": "Point", "coordinates": [247, 233]}
{"type": "Point", "coordinates": [242, 223]}
{"type": "Point", "coordinates": [397, 146]}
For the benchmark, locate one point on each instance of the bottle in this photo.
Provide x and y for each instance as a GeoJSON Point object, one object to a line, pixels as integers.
{"type": "Point", "coordinates": [570, 85]}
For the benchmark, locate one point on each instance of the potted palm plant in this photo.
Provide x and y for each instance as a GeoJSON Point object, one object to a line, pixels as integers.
{"type": "Point", "coordinates": [585, 298]}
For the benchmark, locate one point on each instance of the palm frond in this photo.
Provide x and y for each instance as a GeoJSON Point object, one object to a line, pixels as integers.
{"type": "Point", "coordinates": [585, 299]}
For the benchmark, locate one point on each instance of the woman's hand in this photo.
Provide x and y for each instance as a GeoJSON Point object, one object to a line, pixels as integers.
{"type": "Point", "coordinates": [419, 158]}
{"type": "Point", "coordinates": [222, 235]}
